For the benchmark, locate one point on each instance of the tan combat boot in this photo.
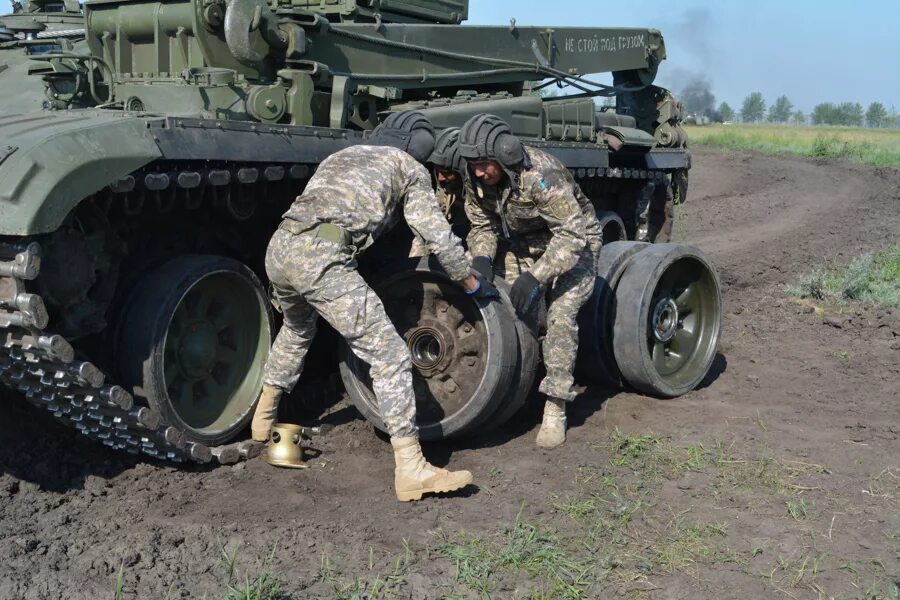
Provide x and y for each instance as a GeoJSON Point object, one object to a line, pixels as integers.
{"type": "Point", "coordinates": [413, 476]}
{"type": "Point", "coordinates": [553, 428]}
{"type": "Point", "coordinates": [265, 414]}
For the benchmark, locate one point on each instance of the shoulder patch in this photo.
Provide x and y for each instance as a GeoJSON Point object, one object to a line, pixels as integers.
{"type": "Point", "coordinates": [559, 207]}
{"type": "Point", "coordinates": [543, 184]}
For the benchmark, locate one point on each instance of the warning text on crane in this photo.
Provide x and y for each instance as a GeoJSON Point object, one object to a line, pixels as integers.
{"type": "Point", "coordinates": [597, 44]}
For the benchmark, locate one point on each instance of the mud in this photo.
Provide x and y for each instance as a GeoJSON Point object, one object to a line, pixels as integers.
{"type": "Point", "coordinates": [787, 385]}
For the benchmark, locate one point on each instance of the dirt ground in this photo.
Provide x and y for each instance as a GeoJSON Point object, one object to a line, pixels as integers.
{"type": "Point", "coordinates": [780, 477]}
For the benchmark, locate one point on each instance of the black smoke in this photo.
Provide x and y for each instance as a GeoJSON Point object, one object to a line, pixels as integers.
{"type": "Point", "coordinates": [697, 96]}
{"type": "Point", "coordinates": [686, 72]}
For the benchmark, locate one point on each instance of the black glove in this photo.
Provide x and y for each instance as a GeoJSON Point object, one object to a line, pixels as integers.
{"type": "Point", "coordinates": [483, 265]}
{"type": "Point", "coordinates": [485, 290]}
{"type": "Point", "coordinates": [525, 290]}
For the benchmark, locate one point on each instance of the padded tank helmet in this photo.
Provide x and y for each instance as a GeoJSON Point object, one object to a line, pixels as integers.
{"type": "Point", "coordinates": [410, 131]}
{"type": "Point", "coordinates": [488, 137]}
{"type": "Point", "coordinates": [446, 151]}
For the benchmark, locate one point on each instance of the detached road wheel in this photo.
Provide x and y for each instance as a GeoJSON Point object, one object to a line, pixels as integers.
{"type": "Point", "coordinates": [596, 358]}
{"type": "Point", "coordinates": [668, 319]}
{"type": "Point", "coordinates": [195, 337]}
{"type": "Point", "coordinates": [463, 351]}
{"type": "Point", "coordinates": [528, 358]}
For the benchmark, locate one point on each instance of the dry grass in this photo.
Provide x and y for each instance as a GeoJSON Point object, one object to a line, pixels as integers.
{"type": "Point", "coordinates": [873, 278]}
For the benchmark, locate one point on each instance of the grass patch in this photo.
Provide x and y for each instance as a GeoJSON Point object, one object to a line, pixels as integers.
{"type": "Point", "coordinates": [536, 557]}
{"type": "Point", "coordinates": [873, 278]}
{"type": "Point", "coordinates": [879, 147]}
{"type": "Point", "coordinates": [263, 585]}
{"type": "Point", "coordinates": [260, 583]}
{"type": "Point", "coordinates": [376, 583]}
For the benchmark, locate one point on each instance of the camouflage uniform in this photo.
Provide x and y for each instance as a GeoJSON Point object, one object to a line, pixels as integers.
{"type": "Point", "coordinates": [661, 213]}
{"type": "Point", "coordinates": [359, 193]}
{"type": "Point", "coordinates": [551, 230]}
{"type": "Point", "coordinates": [657, 212]}
{"type": "Point", "coordinates": [451, 203]}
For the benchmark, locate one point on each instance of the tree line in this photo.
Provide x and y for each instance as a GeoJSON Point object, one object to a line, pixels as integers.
{"type": "Point", "coordinates": [847, 114]}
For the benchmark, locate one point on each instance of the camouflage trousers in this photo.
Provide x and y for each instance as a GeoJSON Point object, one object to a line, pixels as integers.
{"type": "Point", "coordinates": [313, 277]}
{"type": "Point", "coordinates": [565, 297]}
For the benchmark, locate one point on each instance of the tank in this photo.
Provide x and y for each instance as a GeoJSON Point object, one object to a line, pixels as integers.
{"type": "Point", "coordinates": [148, 152]}
{"type": "Point", "coordinates": [35, 28]}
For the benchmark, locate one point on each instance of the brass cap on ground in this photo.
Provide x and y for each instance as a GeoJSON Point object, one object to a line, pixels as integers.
{"type": "Point", "coordinates": [285, 449]}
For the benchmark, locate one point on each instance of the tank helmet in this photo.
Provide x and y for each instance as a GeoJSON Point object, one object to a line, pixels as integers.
{"type": "Point", "coordinates": [410, 131]}
{"type": "Point", "coordinates": [488, 137]}
{"type": "Point", "coordinates": [446, 151]}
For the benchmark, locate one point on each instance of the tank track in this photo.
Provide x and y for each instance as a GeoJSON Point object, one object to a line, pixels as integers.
{"type": "Point", "coordinates": [44, 368]}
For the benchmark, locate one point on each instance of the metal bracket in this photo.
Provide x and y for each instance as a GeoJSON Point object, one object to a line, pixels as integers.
{"type": "Point", "coordinates": [340, 97]}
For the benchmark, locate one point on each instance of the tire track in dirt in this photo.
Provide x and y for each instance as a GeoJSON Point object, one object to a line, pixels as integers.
{"type": "Point", "coordinates": [771, 218]}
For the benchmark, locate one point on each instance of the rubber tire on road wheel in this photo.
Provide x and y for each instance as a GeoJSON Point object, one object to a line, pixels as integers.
{"type": "Point", "coordinates": [451, 398]}
{"type": "Point", "coordinates": [528, 359]}
{"type": "Point", "coordinates": [596, 359]}
{"type": "Point", "coordinates": [200, 327]}
{"type": "Point", "coordinates": [668, 319]}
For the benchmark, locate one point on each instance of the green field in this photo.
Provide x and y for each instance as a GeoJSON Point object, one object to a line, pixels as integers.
{"type": "Point", "coordinates": [880, 147]}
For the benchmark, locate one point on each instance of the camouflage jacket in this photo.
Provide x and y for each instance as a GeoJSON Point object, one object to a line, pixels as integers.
{"type": "Point", "coordinates": [544, 215]}
{"type": "Point", "coordinates": [451, 203]}
{"type": "Point", "coordinates": [367, 189]}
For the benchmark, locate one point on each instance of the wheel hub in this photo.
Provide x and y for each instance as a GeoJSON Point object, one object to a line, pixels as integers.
{"type": "Point", "coordinates": [197, 351]}
{"type": "Point", "coordinates": [427, 347]}
{"type": "Point", "coordinates": [664, 320]}
{"type": "Point", "coordinates": [431, 346]}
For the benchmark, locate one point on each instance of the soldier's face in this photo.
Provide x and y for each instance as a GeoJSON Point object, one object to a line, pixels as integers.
{"type": "Point", "coordinates": [489, 172]}
{"type": "Point", "coordinates": [446, 177]}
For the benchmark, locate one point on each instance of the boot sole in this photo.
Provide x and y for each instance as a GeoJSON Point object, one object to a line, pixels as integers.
{"type": "Point", "coordinates": [413, 495]}
{"type": "Point", "coordinates": [548, 446]}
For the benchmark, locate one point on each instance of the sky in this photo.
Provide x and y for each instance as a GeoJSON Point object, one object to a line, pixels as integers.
{"type": "Point", "coordinates": [812, 51]}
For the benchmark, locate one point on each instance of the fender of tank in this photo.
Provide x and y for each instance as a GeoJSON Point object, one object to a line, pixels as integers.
{"type": "Point", "coordinates": [50, 161]}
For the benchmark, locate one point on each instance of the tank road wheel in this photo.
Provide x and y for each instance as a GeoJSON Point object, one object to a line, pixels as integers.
{"type": "Point", "coordinates": [596, 358]}
{"type": "Point", "coordinates": [463, 351]}
{"type": "Point", "coordinates": [195, 336]}
{"type": "Point", "coordinates": [668, 319]}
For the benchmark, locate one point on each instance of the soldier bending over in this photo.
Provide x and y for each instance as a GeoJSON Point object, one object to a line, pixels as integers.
{"type": "Point", "coordinates": [356, 195]}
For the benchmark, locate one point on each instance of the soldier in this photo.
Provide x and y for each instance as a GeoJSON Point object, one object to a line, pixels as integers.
{"type": "Point", "coordinates": [448, 172]}
{"type": "Point", "coordinates": [551, 237]}
{"type": "Point", "coordinates": [656, 212]}
{"type": "Point", "coordinates": [356, 195]}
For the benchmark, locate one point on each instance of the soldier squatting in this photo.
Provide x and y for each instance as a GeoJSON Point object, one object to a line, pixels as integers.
{"type": "Point", "coordinates": [528, 221]}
